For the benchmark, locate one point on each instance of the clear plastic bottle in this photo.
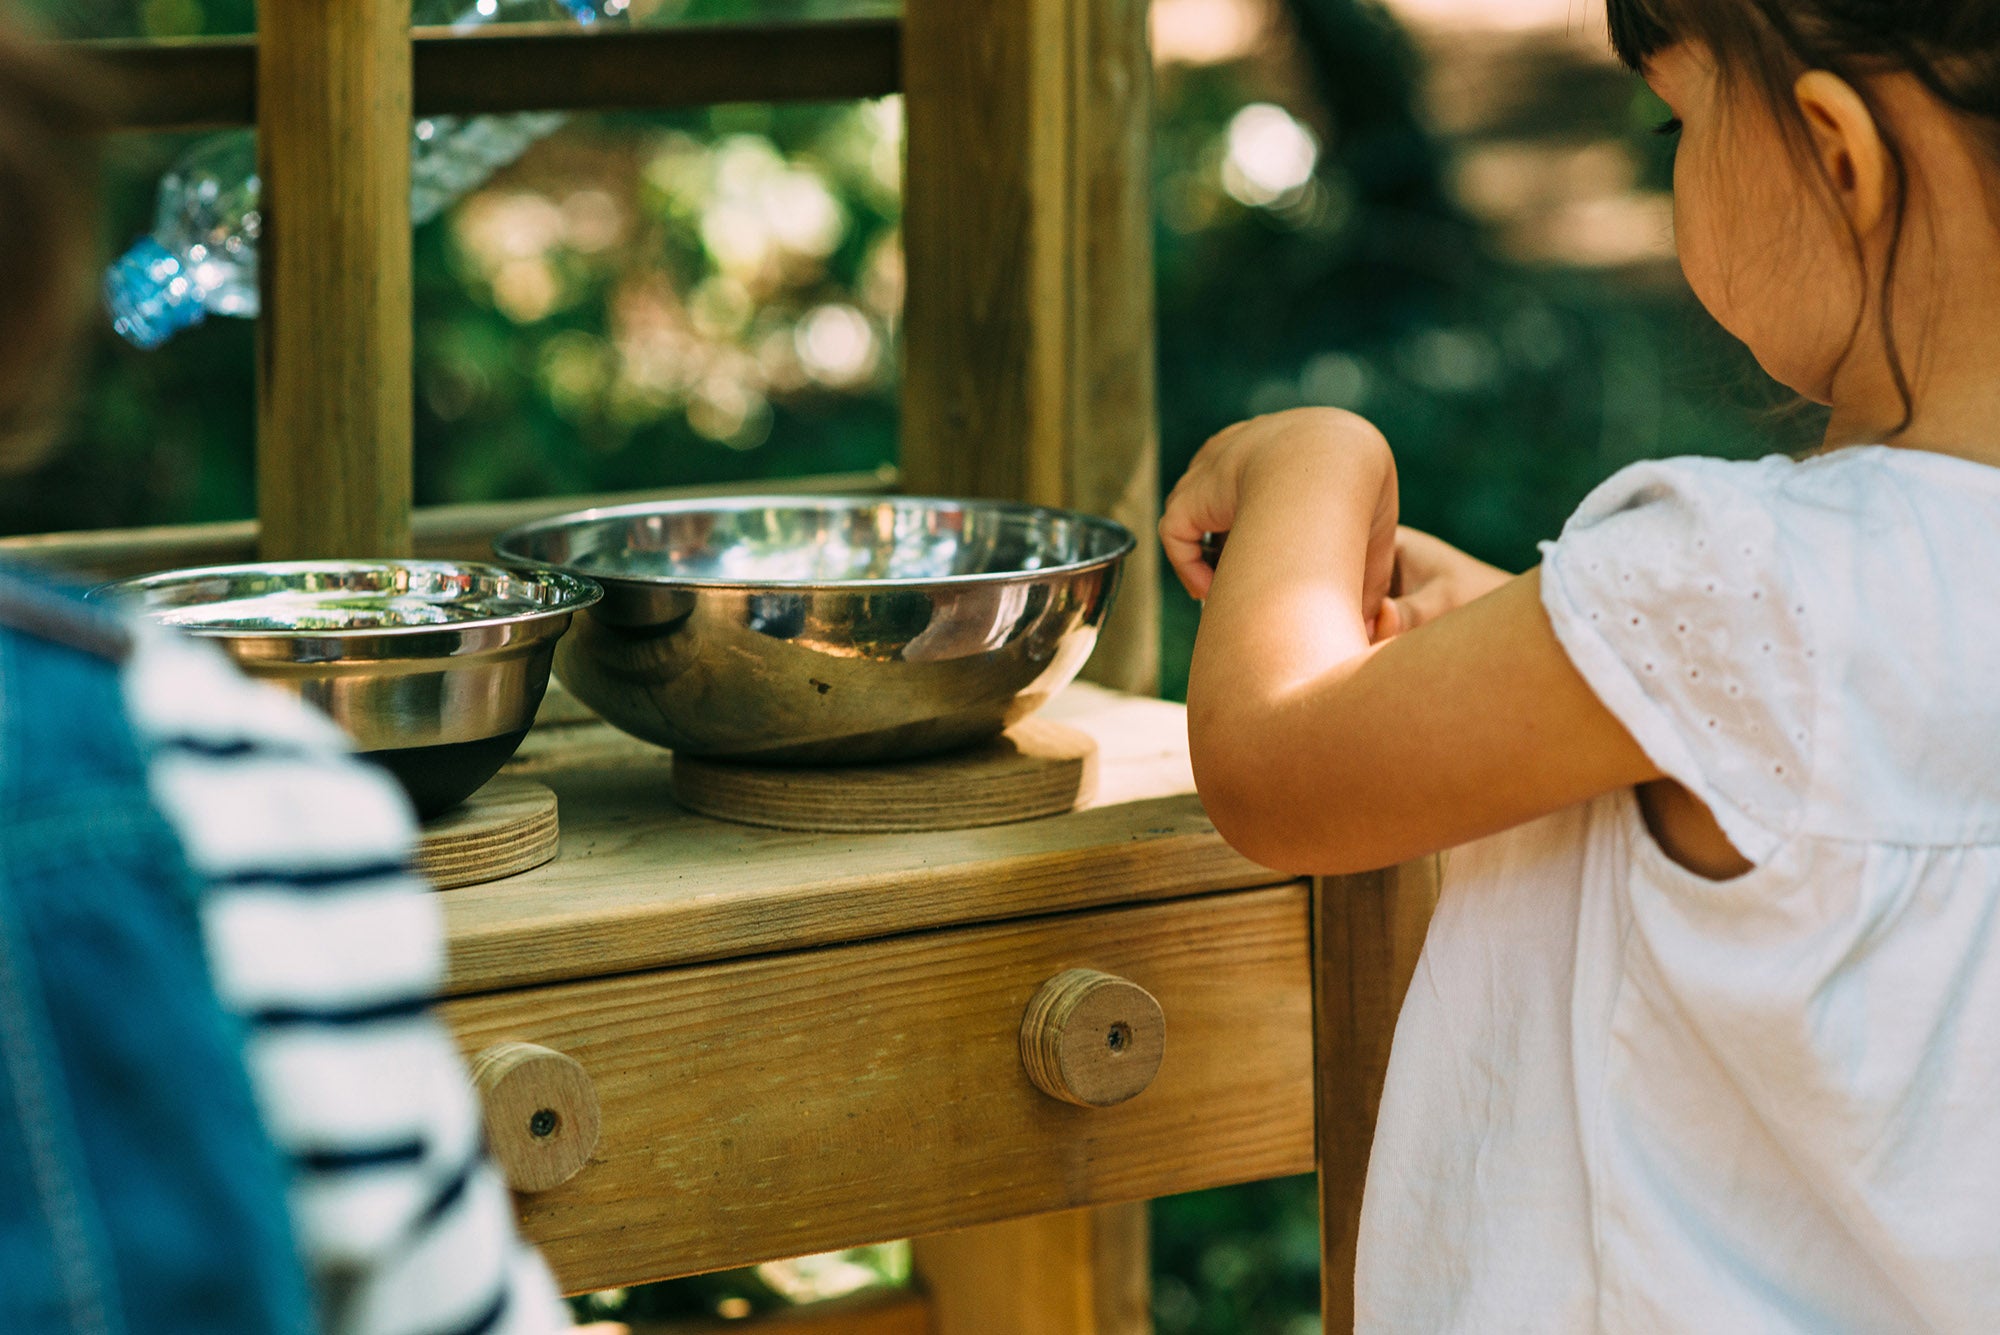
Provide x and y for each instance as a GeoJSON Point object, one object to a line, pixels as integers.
{"type": "Point", "coordinates": [201, 257]}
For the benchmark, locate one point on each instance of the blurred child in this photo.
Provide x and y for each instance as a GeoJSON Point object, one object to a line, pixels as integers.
{"type": "Point", "coordinates": [226, 1107]}
{"type": "Point", "coordinates": [1706, 1034]}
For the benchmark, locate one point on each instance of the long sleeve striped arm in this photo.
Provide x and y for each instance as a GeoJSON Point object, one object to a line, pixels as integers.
{"type": "Point", "coordinates": [331, 949]}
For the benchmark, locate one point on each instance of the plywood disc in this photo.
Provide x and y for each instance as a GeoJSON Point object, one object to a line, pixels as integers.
{"type": "Point", "coordinates": [506, 827]}
{"type": "Point", "coordinates": [1036, 768]}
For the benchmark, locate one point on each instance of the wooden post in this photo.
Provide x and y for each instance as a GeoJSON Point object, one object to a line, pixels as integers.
{"type": "Point", "coordinates": [334, 386]}
{"type": "Point", "coordinates": [1367, 933]}
{"type": "Point", "coordinates": [1083, 1272]}
{"type": "Point", "coordinates": [875, 1312]}
{"type": "Point", "coordinates": [1028, 324]}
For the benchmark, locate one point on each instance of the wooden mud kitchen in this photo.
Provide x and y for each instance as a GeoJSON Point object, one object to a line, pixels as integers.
{"type": "Point", "coordinates": [706, 1044]}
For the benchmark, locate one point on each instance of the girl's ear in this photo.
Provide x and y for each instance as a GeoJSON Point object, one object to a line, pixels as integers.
{"type": "Point", "coordinates": [1849, 145]}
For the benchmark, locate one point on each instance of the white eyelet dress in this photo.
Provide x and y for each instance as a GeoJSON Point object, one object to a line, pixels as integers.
{"type": "Point", "coordinates": [1625, 1098]}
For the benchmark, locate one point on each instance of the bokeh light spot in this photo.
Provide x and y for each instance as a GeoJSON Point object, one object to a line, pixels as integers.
{"type": "Point", "coordinates": [836, 345]}
{"type": "Point", "coordinates": [1270, 156]}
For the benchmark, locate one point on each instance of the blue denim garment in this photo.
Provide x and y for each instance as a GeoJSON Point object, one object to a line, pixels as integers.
{"type": "Point", "coordinates": [139, 1192]}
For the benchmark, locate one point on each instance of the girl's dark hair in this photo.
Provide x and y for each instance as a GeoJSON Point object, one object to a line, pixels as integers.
{"type": "Point", "coordinates": [1951, 47]}
{"type": "Point", "coordinates": [48, 225]}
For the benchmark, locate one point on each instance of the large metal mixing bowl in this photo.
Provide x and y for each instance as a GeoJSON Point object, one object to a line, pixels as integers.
{"type": "Point", "coordinates": [818, 630]}
{"type": "Point", "coordinates": [436, 668]}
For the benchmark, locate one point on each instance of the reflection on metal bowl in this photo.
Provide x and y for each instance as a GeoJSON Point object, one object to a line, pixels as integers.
{"type": "Point", "coordinates": [435, 668]}
{"type": "Point", "coordinates": [825, 630]}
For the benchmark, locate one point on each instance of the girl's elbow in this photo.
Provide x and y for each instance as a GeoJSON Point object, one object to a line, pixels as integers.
{"type": "Point", "coordinates": [1300, 852]}
{"type": "Point", "coordinates": [1256, 816]}
{"type": "Point", "coordinates": [1265, 816]}
{"type": "Point", "coordinates": [1250, 833]}
{"type": "Point", "coordinates": [1275, 852]}
{"type": "Point", "coordinates": [1233, 798]}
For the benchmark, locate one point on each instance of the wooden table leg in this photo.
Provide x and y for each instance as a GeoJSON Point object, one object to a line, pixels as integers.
{"type": "Point", "coordinates": [876, 1312]}
{"type": "Point", "coordinates": [1367, 933]}
{"type": "Point", "coordinates": [1082, 1272]}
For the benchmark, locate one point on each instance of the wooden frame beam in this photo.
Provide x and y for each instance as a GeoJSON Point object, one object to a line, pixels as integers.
{"type": "Point", "coordinates": [1081, 1272]}
{"type": "Point", "coordinates": [874, 1312]}
{"type": "Point", "coordinates": [335, 394]}
{"type": "Point", "coordinates": [439, 532]}
{"type": "Point", "coordinates": [1027, 233]}
{"type": "Point", "coordinates": [1368, 933]}
{"type": "Point", "coordinates": [166, 85]}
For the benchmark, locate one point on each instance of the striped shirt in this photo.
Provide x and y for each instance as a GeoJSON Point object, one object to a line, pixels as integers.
{"type": "Point", "coordinates": [330, 948]}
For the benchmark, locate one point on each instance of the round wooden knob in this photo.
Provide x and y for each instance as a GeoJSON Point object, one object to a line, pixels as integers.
{"type": "Point", "coordinates": [541, 1113]}
{"type": "Point", "coordinates": [1092, 1039]}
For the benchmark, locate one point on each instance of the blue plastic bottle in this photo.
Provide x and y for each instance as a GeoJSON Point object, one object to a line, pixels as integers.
{"type": "Point", "coordinates": [201, 258]}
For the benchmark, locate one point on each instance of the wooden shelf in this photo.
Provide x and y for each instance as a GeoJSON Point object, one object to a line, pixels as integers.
{"type": "Point", "coordinates": [169, 85]}
{"type": "Point", "coordinates": [641, 884]}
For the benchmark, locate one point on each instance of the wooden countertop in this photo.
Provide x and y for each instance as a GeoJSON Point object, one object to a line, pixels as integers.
{"type": "Point", "coordinates": [641, 884]}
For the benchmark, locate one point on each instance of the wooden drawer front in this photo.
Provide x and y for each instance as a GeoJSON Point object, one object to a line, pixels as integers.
{"type": "Point", "coordinates": [797, 1103]}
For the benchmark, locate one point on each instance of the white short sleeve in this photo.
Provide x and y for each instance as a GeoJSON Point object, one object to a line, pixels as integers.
{"type": "Point", "coordinates": [1671, 592]}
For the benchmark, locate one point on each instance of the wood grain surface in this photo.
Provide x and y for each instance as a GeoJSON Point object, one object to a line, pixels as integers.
{"type": "Point", "coordinates": [1092, 1038]}
{"type": "Point", "coordinates": [555, 67]}
{"type": "Point", "coordinates": [334, 379]}
{"type": "Point", "coordinates": [876, 1312]}
{"type": "Point", "coordinates": [1027, 231]}
{"type": "Point", "coordinates": [1082, 1272]}
{"type": "Point", "coordinates": [776, 1107]}
{"type": "Point", "coordinates": [507, 827]}
{"type": "Point", "coordinates": [1113, 464]}
{"type": "Point", "coordinates": [1368, 932]}
{"type": "Point", "coordinates": [642, 884]}
{"type": "Point", "coordinates": [541, 1113]}
{"type": "Point", "coordinates": [1037, 768]}
{"type": "Point", "coordinates": [202, 82]}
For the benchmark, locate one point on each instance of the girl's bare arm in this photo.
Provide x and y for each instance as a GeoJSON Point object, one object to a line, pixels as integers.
{"type": "Point", "coordinates": [1322, 743]}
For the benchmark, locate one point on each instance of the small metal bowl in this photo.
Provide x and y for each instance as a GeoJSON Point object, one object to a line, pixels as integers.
{"type": "Point", "coordinates": [827, 630]}
{"type": "Point", "coordinates": [436, 668]}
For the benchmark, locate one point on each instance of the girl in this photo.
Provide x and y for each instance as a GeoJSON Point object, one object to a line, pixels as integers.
{"type": "Point", "coordinates": [1706, 1034]}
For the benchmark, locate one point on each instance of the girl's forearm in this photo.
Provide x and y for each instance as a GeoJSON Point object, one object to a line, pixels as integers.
{"type": "Point", "coordinates": [1287, 618]}
{"type": "Point", "coordinates": [1308, 563]}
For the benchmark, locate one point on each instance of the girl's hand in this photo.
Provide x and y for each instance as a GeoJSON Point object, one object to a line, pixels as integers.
{"type": "Point", "coordinates": [1432, 578]}
{"type": "Point", "coordinates": [1272, 452]}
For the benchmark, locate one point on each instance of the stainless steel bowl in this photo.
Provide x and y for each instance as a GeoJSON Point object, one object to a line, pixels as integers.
{"type": "Point", "coordinates": [436, 668]}
{"type": "Point", "coordinates": [816, 630]}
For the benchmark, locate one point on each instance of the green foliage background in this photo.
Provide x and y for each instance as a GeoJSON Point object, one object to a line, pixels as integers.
{"type": "Point", "coordinates": [1508, 389]}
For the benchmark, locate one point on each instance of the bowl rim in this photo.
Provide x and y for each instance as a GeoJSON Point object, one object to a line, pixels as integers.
{"type": "Point", "coordinates": [1124, 541]}
{"type": "Point", "coordinates": [577, 593]}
